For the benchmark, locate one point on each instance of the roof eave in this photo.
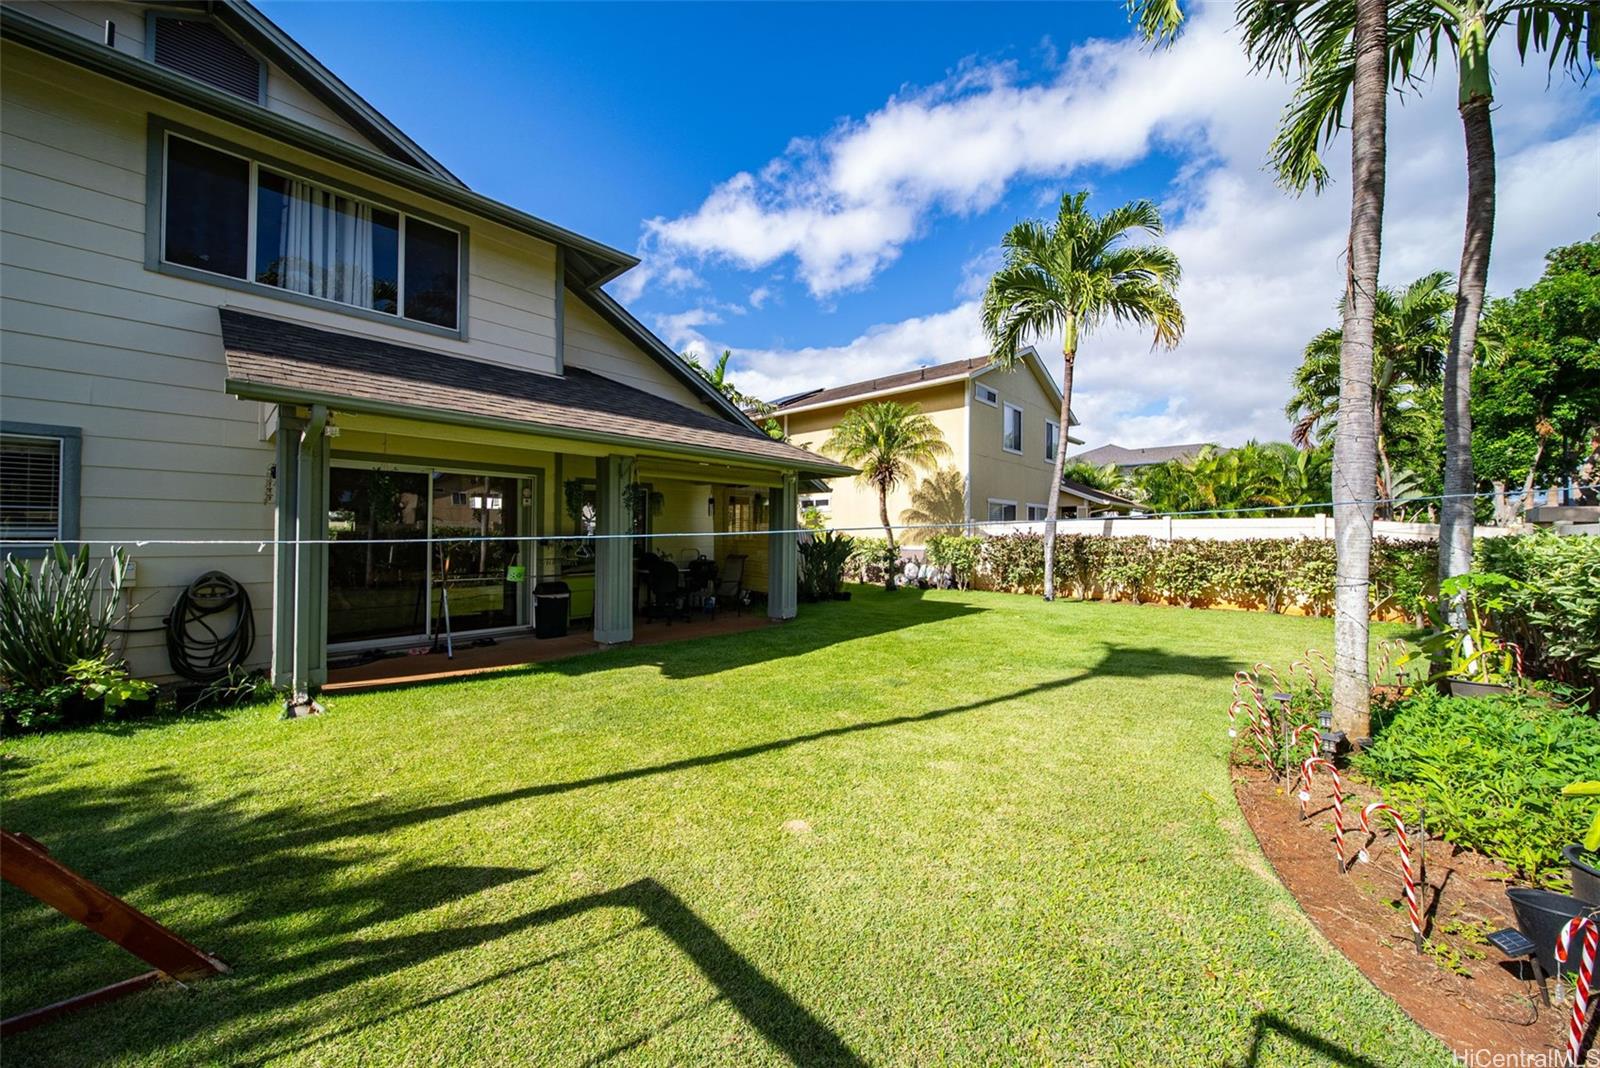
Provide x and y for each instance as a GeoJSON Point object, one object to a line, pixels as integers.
{"type": "Point", "coordinates": [247, 389]}
{"type": "Point", "coordinates": [30, 32]}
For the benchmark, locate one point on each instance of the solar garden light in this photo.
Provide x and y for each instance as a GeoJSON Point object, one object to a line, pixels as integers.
{"type": "Point", "coordinates": [1330, 738]}
{"type": "Point", "coordinates": [1518, 946]}
{"type": "Point", "coordinates": [1286, 726]}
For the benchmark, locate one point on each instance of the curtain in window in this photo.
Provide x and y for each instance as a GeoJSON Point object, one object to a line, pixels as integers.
{"type": "Point", "coordinates": [326, 248]}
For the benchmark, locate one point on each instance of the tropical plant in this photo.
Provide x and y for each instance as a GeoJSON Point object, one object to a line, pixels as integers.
{"type": "Point", "coordinates": [957, 555]}
{"type": "Point", "coordinates": [1410, 336]}
{"type": "Point", "coordinates": [1273, 475]}
{"type": "Point", "coordinates": [875, 560]}
{"type": "Point", "coordinates": [1071, 276]}
{"type": "Point", "coordinates": [886, 441]}
{"type": "Point", "coordinates": [107, 683]}
{"type": "Point", "coordinates": [1553, 612]}
{"type": "Point", "coordinates": [1469, 650]}
{"type": "Point", "coordinates": [938, 503]}
{"type": "Point", "coordinates": [1106, 479]}
{"type": "Point", "coordinates": [717, 374]}
{"type": "Point", "coordinates": [56, 615]}
{"type": "Point", "coordinates": [1487, 772]}
{"type": "Point", "coordinates": [823, 558]}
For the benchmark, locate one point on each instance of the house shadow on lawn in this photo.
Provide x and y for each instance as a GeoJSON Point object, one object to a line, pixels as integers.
{"type": "Point", "coordinates": [297, 926]}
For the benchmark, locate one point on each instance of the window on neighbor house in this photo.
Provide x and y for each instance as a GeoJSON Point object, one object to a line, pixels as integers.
{"type": "Point", "coordinates": [306, 238]}
{"type": "Point", "coordinates": [30, 488]}
{"type": "Point", "coordinates": [986, 394]}
{"type": "Point", "coordinates": [1068, 511]}
{"type": "Point", "coordinates": [819, 503]}
{"type": "Point", "coordinates": [1002, 511]}
{"type": "Point", "coordinates": [1037, 513]}
{"type": "Point", "coordinates": [1011, 429]}
{"type": "Point", "coordinates": [1052, 437]}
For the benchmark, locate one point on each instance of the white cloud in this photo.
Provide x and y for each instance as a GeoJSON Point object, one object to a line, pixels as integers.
{"type": "Point", "coordinates": [759, 297]}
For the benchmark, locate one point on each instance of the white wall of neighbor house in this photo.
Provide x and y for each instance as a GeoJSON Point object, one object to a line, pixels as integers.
{"type": "Point", "coordinates": [91, 338]}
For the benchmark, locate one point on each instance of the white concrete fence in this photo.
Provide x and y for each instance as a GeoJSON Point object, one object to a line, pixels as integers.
{"type": "Point", "coordinates": [1167, 528]}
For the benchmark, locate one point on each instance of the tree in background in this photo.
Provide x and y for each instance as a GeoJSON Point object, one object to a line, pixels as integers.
{"type": "Point", "coordinates": [1410, 334]}
{"type": "Point", "coordinates": [1070, 277]}
{"type": "Point", "coordinates": [1107, 479]}
{"type": "Point", "coordinates": [1272, 475]}
{"type": "Point", "coordinates": [887, 441]}
{"type": "Point", "coordinates": [717, 375]}
{"type": "Point", "coordinates": [1536, 407]}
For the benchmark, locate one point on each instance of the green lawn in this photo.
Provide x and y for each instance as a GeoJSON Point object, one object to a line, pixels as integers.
{"type": "Point", "coordinates": [1019, 845]}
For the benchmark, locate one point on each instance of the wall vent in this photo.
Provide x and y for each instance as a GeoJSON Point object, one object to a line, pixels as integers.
{"type": "Point", "coordinates": [203, 52]}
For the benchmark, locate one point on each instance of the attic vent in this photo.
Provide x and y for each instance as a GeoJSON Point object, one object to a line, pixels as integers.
{"type": "Point", "coordinates": [204, 52]}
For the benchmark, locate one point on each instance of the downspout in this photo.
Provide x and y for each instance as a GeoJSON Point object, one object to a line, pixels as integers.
{"type": "Point", "coordinates": [300, 702]}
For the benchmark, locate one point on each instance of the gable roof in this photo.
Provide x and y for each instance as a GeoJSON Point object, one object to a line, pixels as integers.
{"type": "Point", "coordinates": [589, 262]}
{"type": "Point", "coordinates": [916, 378]}
{"type": "Point", "coordinates": [1154, 454]}
{"type": "Point", "coordinates": [1096, 496]}
{"type": "Point", "coordinates": [286, 362]}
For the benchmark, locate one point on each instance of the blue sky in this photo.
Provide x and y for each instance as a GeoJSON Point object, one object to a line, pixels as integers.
{"type": "Point", "coordinates": [821, 188]}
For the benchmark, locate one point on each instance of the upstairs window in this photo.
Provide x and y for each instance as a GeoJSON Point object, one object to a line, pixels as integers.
{"type": "Point", "coordinates": [30, 488]}
{"type": "Point", "coordinates": [1037, 513]}
{"type": "Point", "coordinates": [305, 238]}
{"type": "Point", "coordinates": [1011, 429]}
{"type": "Point", "coordinates": [1052, 437]}
{"type": "Point", "coordinates": [986, 394]}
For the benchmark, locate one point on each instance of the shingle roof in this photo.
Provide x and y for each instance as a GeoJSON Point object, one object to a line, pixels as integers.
{"type": "Point", "coordinates": [1096, 496]}
{"type": "Point", "coordinates": [1155, 454]}
{"type": "Point", "coordinates": [272, 359]}
{"type": "Point", "coordinates": [914, 377]}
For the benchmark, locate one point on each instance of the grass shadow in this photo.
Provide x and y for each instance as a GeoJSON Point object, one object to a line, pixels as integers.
{"type": "Point", "coordinates": [1268, 1023]}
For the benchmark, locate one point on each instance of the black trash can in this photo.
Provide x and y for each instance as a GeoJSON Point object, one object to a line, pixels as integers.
{"type": "Point", "coordinates": [551, 600]}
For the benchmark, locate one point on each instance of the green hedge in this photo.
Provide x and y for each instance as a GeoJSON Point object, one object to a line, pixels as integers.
{"type": "Point", "coordinates": [1487, 773]}
{"type": "Point", "coordinates": [1269, 573]}
{"type": "Point", "coordinates": [1554, 615]}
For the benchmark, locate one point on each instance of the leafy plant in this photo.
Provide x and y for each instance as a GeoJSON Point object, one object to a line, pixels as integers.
{"type": "Point", "coordinates": [823, 558]}
{"type": "Point", "coordinates": [1553, 612]}
{"type": "Point", "coordinates": [108, 684]}
{"type": "Point", "coordinates": [875, 559]}
{"type": "Point", "coordinates": [1474, 652]}
{"type": "Point", "coordinates": [957, 555]}
{"type": "Point", "coordinates": [1014, 562]}
{"type": "Point", "coordinates": [53, 617]}
{"type": "Point", "coordinates": [1591, 839]}
{"type": "Point", "coordinates": [1487, 772]}
{"type": "Point", "coordinates": [23, 708]}
{"type": "Point", "coordinates": [240, 686]}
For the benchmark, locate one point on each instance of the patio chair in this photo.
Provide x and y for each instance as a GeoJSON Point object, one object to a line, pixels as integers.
{"type": "Point", "coordinates": [667, 595]}
{"type": "Point", "coordinates": [730, 583]}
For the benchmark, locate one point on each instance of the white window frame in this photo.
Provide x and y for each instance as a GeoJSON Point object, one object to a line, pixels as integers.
{"type": "Point", "coordinates": [993, 395]}
{"type": "Point", "coordinates": [1051, 426]}
{"type": "Point", "coordinates": [156, 241]}
{"type": "Point", "coordinates": [1044, 513]}
{"type": "Point", "coordinates": [1004, 504]}
{"type": "Point", "coordinates": [1005, 421]}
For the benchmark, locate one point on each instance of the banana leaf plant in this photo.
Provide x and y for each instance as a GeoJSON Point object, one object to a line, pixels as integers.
{"type": "Point", "coordinates": [1473, 652]}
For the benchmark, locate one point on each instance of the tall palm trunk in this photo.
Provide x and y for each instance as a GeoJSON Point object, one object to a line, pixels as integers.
{"type": "Point", "coordinates": [888, 532]}
{"type": "Point", "coordinates": [1456, 511]}
{"type": "Point", "coordinates": [1069, 358]}
{"type": "Point", "coordinates": [1354, 447]}
{"type": "Point", "coordinates": [1384, 465]}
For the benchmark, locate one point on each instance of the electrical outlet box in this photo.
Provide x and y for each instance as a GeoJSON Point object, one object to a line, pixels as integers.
{"type": "Point", "coordinates": [131, 575]}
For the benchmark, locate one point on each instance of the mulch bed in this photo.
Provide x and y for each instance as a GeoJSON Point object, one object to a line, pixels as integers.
{"type": "Point", "coordinates": [1462, 991]}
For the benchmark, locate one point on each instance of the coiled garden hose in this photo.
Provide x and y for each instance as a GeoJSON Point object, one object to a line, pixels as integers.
{"type": "Point", "coordinates": [211, 628]}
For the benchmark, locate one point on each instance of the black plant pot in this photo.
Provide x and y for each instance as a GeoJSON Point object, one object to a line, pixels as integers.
{"type": "Point", "coordinates": [78, 710]}
{"type": "Point", "coordinates": [1467, 688]}
{"type": "Point", "coordinates": [137, 709]}
{"type": "Point", "coordinates": [1540, 915]}
{"type": "Point", "coordinates": [1585, 876]}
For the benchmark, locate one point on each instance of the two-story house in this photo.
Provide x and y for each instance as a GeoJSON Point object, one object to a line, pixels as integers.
{"type": "Point", "coordinates": [250, 326]}
{"type": "Point", "coordinates": [1002, 429]}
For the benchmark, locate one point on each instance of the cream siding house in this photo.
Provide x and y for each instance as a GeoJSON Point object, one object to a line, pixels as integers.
{"type": "Point", "coordinates": [436, 362]}
{"type": "Point", "coordinates": [1001, 428]}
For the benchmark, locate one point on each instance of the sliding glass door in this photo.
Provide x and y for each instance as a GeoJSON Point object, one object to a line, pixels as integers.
{"type": "Point", "coordinates": [386, 583]}
{"type": "Point", "coordinates": [483, 589]}
{"type": "Point", "coordinates": [377, 589]}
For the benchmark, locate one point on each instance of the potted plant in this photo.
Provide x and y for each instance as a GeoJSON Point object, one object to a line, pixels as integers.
{"type": "Point", "coordinates": [1472, 661]}
{"type": "Point", "coordinates": [1584, 857]}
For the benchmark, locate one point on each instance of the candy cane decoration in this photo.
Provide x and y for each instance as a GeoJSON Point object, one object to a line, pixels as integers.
{"type": "Point", "coordinates": [1405, 861]}
{"type": "Point", "coordinates": [1585, 985]}
{"type": "Point", "coordinates": [1277, 683]}
{"type": "Point", "coordinates": [1309, 765]}
{"type": "Point", "coordinates": [1389, 650]}
{"type": "Point", "coordinates": [1301, 731]}
{"type": "Point", "coordinates": [1322, 661]}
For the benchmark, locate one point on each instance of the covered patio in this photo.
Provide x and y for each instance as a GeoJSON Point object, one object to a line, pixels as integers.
{"type": "Point", "coordinates": [423, 498]}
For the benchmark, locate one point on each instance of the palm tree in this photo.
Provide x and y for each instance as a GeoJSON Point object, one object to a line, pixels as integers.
{"type": "Point", "coordinates": [887, 441]}
{"type": "Point", "coordinates": [1410, 335]}
{"type": "Point", "coordinates": [1565, 30]}
{"type": "Point", "coordinates": [722, 382]}
{"type": "Point", "coordinates": [1107, 479]}
{"type": "Point", "coordinates": [1072, 276]}
{"type": "Point", "coordinates": [1339, 49]}
{"type": "Point", "coordinates": [1271, 475]}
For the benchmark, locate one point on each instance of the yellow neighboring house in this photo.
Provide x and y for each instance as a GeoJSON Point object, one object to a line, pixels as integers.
{"type": "Point", "coordinates": [1002, 428]}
